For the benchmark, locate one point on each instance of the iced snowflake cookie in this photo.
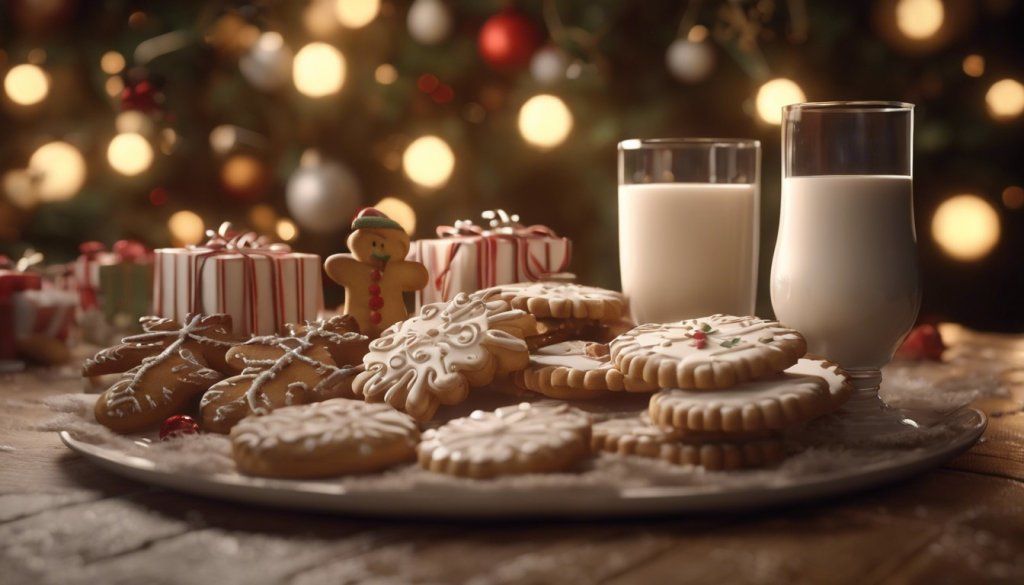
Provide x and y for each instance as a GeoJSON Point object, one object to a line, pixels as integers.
{"type": "Point", "coordinates": [637, 436]}
{"type": "Point", "coordinates": [434, 357]}
{"type": "Point", "coordinates": [780, 402]}
{"type": "Point", "coordinates": [165, 368]}
{"type": "Point", "coordinates": [562, 300]}
{"type": "Point", "coordinates": [285, 370]}
{"type": "Point", "coordinates": [527, 438]}
{"type": "Point", "coordinates": [712, 352]}
{"type": "Point", "coordinates": [574, 370]}
{"type": "Point", "coordinates": [324, 439]}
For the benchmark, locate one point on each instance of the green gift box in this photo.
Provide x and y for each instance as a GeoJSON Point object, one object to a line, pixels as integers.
{"type": "Point", "coordinates": [126, 291]}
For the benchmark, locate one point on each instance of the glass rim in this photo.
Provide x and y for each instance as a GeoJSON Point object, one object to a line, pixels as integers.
{"type": "Point", "coordinates": [648, 143]}
{"type": "Point", "coordinates": [852, 106]}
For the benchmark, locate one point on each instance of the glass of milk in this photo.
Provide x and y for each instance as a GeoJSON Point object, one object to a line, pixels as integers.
{"type": "Point", "coordinates": [845, 270]}
{"type": "Point", "coordinates": [688, 226]}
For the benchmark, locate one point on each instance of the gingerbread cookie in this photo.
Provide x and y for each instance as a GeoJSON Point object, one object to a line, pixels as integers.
{"type": "Point", "coordinates": [780, 402]}
{"type": "Point", "coordinates": [434, 357]}
{"type": "Point", "coordinates": [168, 366]}
{"type": "Point", "coordinates": [712, 352]}
{"type": "Point", "coordinates": [637, 436]}
{"type": "Point", "coordinates": [324, 439]}
{"type": "Point", "coordinates": [574, 370]}
{"type": "Point", "coordinates": [840, 386]}
{"type": "Point", "coordinates": [527, 438]}
{"type": "Point", "coordinates": [563, 300]}
{"type": "Point", "coordinates": [376, 273]}
{"type": "Point", "coordinates": [281, 371]}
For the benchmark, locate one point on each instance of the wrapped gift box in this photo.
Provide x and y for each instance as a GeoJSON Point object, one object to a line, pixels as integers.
{"type": "Point", "coordinates": [13, 283]}
{"type": "Point", "coordinates": [126, 284]}
{"type": "Point", "coordinates": [46, 312]}
{"type": "Point", "coordinates": [261, 286]}
{"type": "Point", "coordinates": [467, 257]}
{"type": "Point", "coordinates": [85, 273]}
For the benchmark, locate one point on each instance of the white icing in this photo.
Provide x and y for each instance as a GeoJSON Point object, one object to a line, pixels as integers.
{"type": "Point", "coordinates": [839, 385]}
{"type": "Point", "coordinates": [415, 364]}
{"type": "Point", "coordinates": [338, 422]}
{"type": "Point", "coordinates": [568, 354]}
{"type": "Point", "coordinates": [560, 294]}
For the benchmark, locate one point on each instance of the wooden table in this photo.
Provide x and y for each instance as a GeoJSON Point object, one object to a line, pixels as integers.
{"type": "Point", "coordinates": [63, 520]}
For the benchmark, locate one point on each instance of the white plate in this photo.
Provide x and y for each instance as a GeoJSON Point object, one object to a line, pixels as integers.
{"type": "Point", "coordinates": [468, 501]}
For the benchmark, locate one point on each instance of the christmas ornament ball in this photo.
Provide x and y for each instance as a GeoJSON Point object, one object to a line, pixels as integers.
{"type": "Point", "coordinates": [177, 425]}
{"type": "Point", "coordinates": [549, 65]}
{"type": "Point", "coordinates": [690, 61]}
{"type": "Point", "coordinates": [429, 21]}
{"type": "Point", "coordinates": [268, 63]}
{"type": "Point", "coordinates": [508, 40]}
{"type": "Point", "coordinates": [322, 195]}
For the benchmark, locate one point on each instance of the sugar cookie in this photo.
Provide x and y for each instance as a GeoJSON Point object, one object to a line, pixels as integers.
{"type": "Point", "coordinates": [563, 300]}
{"type": "Point", "coordinates": [434, 357]}
{"type": "Point", "coordinates": [528, 438]}
{"type": "Point", "coordinates": [574, 370]}
{"type": "Point", "coordinates": [324, 439]}
{"type": "Point", "coordinates": [712, 352]}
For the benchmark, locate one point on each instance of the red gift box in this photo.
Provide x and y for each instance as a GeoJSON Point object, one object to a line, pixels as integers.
{"type": "Point", "coordinates": [12, 282]}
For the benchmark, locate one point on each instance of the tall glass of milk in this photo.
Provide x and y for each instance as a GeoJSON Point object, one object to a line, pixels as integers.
{"type": "Point", "coordinates": [845, 270]}
{"type": "Point", "coordinates": [688, 226]}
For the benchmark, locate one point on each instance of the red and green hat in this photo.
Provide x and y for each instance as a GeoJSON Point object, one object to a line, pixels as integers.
{"type": "Point", "coordinates": [371, 217]}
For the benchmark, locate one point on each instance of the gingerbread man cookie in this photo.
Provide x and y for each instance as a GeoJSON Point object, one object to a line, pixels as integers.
{"type": "Point", "coordinates": [574, 370]}
{"type": "Point", "coordinates": [434, 357]}
{"type": "Point", "coordinates": [528, 438]}
{"type": "Point", "coordinates": [324, 439]}
{"type": "Point", "coordinates": [712, 352]}
{"type": "Point", "coordinates": [284, 371]}
{"type": "Point", "coordinates": [166, 367]}
{"type": "Point", "coordinates": [376, 273]}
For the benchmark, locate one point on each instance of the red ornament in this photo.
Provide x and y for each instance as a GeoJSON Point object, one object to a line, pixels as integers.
{"type": "Point", "coordinates": [508, 40]}
{"type": "Point", "coordinates": [923, 343]}
{"type": "Point", "coordinates": [142, 96]}
{"type": "Point", "coordinates": [178, 425]}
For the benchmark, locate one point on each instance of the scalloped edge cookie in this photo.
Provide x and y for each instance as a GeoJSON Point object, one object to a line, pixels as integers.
{"type": "Point", "coordinates": [575, 370]}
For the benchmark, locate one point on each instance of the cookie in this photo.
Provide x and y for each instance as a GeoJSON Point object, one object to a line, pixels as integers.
{"type": "Point", "coordinates": [562, 300]}
{"type": "Point", "coordinates": [708, 353]}
{"type": "Point", "coordinates": [780, 402]}
{"type": "Point", "coordinates": [434, 357]}
{"type": "Point", "coordinates": [325, 439]}
{"type": "Point", "coordinates": [287, 370]}
{"type": "Point", "coordinates": [168, 367]}
{"type": "Point", "coordinates": [574, 370]}
{"type": "Point", "coordinates": [840, 386]}
{"type": "Point", "coordinates": [637, 436]}
{"type": "Point", "coordinates": [527, 438]}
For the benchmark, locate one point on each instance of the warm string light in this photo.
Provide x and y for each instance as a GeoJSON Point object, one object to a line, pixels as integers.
{"type": "Point", "coordinates": [385, 74]}
{"type": "Point", "coordinates": [130, 154]}
{"type": "Point", "coordinates": [263, 217]}
{"type": "Point", "coordinates": [318, 70]}
{"type": "Point", "coordinates": [356, 13]}
{"type": "Point", "coordinates": [919, 19]}
{"type": "Point", "coordinates": [774, 95]}
{"type": "Point", "coordinates": [1005, 99]}
{"type": "Point", "coordinates": [966, 227]}
{"type": "Point", "coordinates": [242, 173]}
{"type": "Point", "coordinates": [428, 161]}
{"type": "Point", "coordinates": [186, 228]}
{"type": "Point", "coordinates": [26, 84]}
{"type": "Point", "coordinates": [286, 230]}
{"type": "Point", "coordinates": [974, 65]}
{"type": "Point", "coordinates": [1013, 197]}
{"type": "Point", "coordinates": [400, 211]}
{"type": "Point", "coordinates": [112, 62]}
{"type": "Point", "coordinates": [59, 171]}
{"type": "Point", "coordinates": [545, 121]}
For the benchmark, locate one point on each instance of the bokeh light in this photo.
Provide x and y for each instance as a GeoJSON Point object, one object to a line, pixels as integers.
{"type": "Point", "coordinates": [428, 161]}
{"type": "Point", "coordinates": [1005, 99]}
{"type": "Point", "coordinates": [263, 217]}
{"type": "Point", "coordinates": [966, 227]}
{"type": "Point", "coordinates": [776, 94]}
{"type": "Point", "coordinates": [242, 173]}
{"type": "Point", "coordinates": [186, 228]}
{"type": "Point", "coordinates": [399, 211]}
{"type": "Point", "coordinates": [1013, 197]}
{"type": "Point", "coordinates": [385, 74]}
{"type": "Point", "coordinates": [60, 171]}
{"type": "Point", "coordinates": [114, 86]}
{"type": "Point", "coordinates": [26, 84]}
{"type": "Point", "coordinates": [112, 62]}
{"type": "Point", "coordinates": [356, 13]}
{"type": "Point", "coordinates": [286, 230]}
{"type": "Point", "coordinates": [130, 154]}
{"type": "Point", "coordinates": [919, 19]}
{"type": "Point", "coordinates": [318, 70]}
{"type": "Point", "coordinates": [545, 121]}
{"type": "Point", "coordinates": [974, 65]}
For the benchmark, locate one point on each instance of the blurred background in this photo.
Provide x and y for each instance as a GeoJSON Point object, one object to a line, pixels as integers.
{"type": "Point", "coordinates": [157, 120]}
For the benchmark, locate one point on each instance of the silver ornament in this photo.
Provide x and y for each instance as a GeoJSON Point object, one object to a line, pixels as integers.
{"type": "Point", "coordinates": [429, 21]}
{"type": "Point", "coordinates": [690, 61]}
{"type": "Point", "coordinates": [322, 195]}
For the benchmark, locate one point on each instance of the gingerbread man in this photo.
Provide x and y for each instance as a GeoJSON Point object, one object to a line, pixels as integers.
{"type": "Point", "coordinates": [376, 273]}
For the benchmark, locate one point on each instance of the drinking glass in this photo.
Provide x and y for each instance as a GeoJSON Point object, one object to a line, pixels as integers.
{"type": "Point", "coordinates": [845, 270]}
{"type": "Point", "coordinates": [688, 226]}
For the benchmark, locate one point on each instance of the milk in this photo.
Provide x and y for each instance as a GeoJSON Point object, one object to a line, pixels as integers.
{"type": "Point", "coordinates": [845, 267]}
{"type": "Point", "coordinates": [688, 249]}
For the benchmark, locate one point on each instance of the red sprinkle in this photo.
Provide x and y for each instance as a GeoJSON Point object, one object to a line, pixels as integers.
{"type": "Point", "coordinates": [374, 317]}
{"type": "Point", "coordinates": [375, 289]}
{"type": "Point", "coordinates": [699, 335]}
{"type": "Point", "coordinates": [375, 275]}
{"type": "Point", "coordinates": [376, 302]}
{"type": "Point", "coordinates": [699, 343]}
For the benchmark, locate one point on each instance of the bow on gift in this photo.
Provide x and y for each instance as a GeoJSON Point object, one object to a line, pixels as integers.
{"type": "Point", "coordinates": [500, 226]}
{"type": "Point", "coordinates": [131, 251]}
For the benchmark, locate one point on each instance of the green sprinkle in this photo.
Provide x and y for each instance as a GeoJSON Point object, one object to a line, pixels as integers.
{"type": "Point", "coordinates": [731, 342]}
{"type": "Point", "coordinates": [705, 327]}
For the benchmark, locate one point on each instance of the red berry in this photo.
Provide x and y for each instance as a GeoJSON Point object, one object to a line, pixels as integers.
{"type": "Point", "coordinates": [375, 275]}
{"type": "Point", "coordinates": [923, 343]}
{"type": "Point", "coordinates": [374, 317]}
{"type": "Point", "coordinates": [699, 335]}
{"type": "Point", "coordinates": [376, 303]}
{"type": "Point", "coordinates": [178, 425]}
{"type": "Point", "coordinates": [374, 289]}
{"type": "Point", "coordinates": [700, 343]}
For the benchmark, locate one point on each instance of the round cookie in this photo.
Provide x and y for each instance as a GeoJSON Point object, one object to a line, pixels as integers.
{"type": "Point", "coordinates": [527, 438]}
{"type": "Point", "coordinates": [574, 370]}
{"type": "Point", "coordinates": [637, 436]}
{"type": "Point", "coordinates": [708, 353]}
{"type": "Point", "coordinates": [563, 300]}
{"type": "Point", "coordinates": [434, 357]}
{"type": "Point", "coordinates": [323, 439]}
{"type": "Point", "coordinates": [780, 402]}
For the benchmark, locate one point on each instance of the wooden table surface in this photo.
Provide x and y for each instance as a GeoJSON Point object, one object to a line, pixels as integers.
{"type": "Point", "coordinates": [63, 520]}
